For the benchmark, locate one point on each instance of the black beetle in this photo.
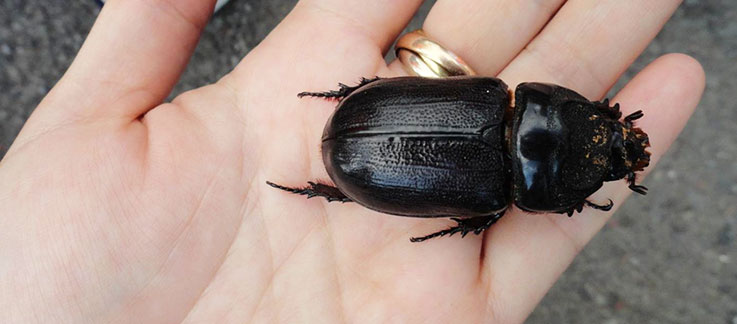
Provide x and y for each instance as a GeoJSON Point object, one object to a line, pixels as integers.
{"type": "Point", "coordinates": [447, 147]}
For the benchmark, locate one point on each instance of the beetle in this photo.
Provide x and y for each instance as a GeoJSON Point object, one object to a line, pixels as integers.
{"type": "Point", "coordinates": [456, 147]}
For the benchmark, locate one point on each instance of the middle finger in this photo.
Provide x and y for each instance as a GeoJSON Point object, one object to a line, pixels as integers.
{"type": "Point", "coordinates": [588, 44]}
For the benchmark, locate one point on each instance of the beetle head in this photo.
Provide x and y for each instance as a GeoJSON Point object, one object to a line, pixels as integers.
{"type": "Point", "coordinates": [629, 148]}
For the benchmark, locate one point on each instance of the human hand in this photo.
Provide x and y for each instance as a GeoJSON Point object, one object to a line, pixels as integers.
{"type": "Point", "coordinates": [120, 209]}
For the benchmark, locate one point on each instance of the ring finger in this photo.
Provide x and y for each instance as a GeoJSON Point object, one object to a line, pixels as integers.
{"type": "Point", "coordinates": [486, 34]}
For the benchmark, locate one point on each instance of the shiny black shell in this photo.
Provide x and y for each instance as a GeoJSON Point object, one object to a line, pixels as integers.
{"type": "Point", "coordinates": [560, 148]}
{"type": "Point", "coordinates": [422, 147]}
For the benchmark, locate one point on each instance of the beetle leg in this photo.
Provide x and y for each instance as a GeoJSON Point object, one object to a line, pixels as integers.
{"type": "Point", "coordinates": [634, 187]}
{"type": "Point", "coordinates": [579, 207]}
{"type": "Point", "coordinates": [341, 93]}
{"type": "Point", "coordinates": [575, 208]}
{"type": "Point", "coordinates": [638, 189]}
{"type": "Point", "coordinates": [465, 225]}
{"type": "Point", "coordinates": [606, 207]}
{"type": "Point", "coordinates": [315, 190]}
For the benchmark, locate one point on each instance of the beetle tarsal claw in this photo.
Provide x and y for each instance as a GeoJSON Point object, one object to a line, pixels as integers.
{"type": "Point", "coordinates": [631, 178]}
{"type": "Point", "coordinates": [638, 189]}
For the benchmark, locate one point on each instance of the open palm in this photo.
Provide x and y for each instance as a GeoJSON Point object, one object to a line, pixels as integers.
{"type": "Point", "coordinates": [117, 208]}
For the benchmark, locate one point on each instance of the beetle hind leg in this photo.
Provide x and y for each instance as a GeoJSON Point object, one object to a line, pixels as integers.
{"type": "Point", "coordinates": [464, 226]}
{"type": "Point", "coordinates": [315, 189]}
{"type": "Point", "coordinates": [342, 92]}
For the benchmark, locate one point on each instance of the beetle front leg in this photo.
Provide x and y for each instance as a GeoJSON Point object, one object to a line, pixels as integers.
{"type": "Point", "coordinates": [610, 111]}
{"type": "Point", "coordinates": [465, 226]}
{"type": "Point", "coordinates": [341, 93]}
{"type": "Point", "coordinates": [315, 190]}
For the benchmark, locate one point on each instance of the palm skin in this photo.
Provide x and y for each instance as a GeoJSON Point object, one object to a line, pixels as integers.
{"type": "Point", "coordinates": [117, 209]}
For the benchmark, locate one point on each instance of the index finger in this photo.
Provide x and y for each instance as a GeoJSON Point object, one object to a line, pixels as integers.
{"type": "Point", "coordinates": [130, 61]}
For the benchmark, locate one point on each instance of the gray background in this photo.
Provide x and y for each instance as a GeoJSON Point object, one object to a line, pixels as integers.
{"type": "Point", "coordinates": [666, 258]}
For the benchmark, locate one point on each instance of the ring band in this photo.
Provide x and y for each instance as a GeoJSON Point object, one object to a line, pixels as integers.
{"type": "Point", "coordinates": [423, 57]}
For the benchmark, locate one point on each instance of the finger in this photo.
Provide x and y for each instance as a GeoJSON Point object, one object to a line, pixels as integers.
{"type": "Point", "coordinates": [536, 249]}
{"type": "Point", "coordinates": [130, 61]}
{"type": "Point", "coordinates": [319, 44]}
{"type": "Point", "coordinates": [379, 22]}
{"type": "Point", "coordinates": [588, 44]}
{"type": "Point", "coordinates": [331, 41]}
{"type": "Point", "coordinates": [487, 34]}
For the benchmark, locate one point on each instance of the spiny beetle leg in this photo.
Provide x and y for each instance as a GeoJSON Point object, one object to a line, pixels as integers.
{"type": "Point", "coordinates": [341, 93]}
{"type": "Point", "coordinates": [465, 226]}
{"type": "Point", "coordinates": [315, 190]}
{"type": "Point", "coordinates": [610, 111]}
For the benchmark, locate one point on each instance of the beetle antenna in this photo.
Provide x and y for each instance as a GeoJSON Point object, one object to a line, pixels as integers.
{"type": "Point", "coordinates": [634, 116]}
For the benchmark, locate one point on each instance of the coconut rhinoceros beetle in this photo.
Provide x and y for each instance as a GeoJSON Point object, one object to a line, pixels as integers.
{"type": "Point", "coordinates": [455, 147]}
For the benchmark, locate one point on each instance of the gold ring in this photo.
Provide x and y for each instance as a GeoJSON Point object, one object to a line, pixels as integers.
{"type": "Point", "coordinates": [423, 57]}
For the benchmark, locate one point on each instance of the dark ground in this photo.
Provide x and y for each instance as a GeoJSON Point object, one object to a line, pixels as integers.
{"type": "Point", "coordinates": [667, 258]}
